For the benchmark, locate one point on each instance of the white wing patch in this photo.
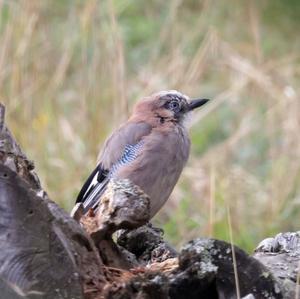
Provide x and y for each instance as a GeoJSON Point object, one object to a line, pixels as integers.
{"type": "Point", "coordinates": [129, 155]}
{"type": "Point", "coordinates": [94, 182]}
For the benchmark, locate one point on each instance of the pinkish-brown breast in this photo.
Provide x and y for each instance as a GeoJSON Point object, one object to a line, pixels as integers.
{"type": "Point", "coordinates": [158, 167]}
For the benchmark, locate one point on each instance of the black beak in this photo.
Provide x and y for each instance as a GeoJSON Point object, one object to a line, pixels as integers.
{"type": "Point", "coordinates": [197, 103]}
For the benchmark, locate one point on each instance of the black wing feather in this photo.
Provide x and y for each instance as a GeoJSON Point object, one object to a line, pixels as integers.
{"type": "Point", "coordinates": [100, 177]}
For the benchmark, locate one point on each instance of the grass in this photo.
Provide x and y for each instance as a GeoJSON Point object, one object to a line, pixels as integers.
{"type": "Point", "coordinates": [70, 72]}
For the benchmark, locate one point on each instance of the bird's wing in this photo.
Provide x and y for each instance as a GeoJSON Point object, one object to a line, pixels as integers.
{"type": "Point", "coordinates": [121, 148]}
{"type": "Point", "coordinates": [128, 134]}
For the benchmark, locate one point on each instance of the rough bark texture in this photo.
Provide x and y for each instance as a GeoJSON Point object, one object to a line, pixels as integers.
{"type": "Point", "coordinates": [281, 255]}
{"type": "Point", "coordinates": [44, 252]}
{"type": "Point", "coordinates": [47, 254]}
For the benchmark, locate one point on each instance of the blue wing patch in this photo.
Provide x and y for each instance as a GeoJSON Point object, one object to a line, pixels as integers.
{"type": "Point", "coordinates": [97, 188]}
{"type": "Point", "coordinates": [129, 155]}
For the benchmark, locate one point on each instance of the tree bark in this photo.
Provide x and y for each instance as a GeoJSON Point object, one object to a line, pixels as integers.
{"type": "Point", "coordinates": [44, 252]}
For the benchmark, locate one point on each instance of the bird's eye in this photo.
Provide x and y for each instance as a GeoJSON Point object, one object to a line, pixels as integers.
{"type": "Point", "coordinates": [174, 106]}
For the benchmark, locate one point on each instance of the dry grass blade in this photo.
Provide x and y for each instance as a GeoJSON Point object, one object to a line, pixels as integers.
{"type": "Point", "coordinates": [236, 277]}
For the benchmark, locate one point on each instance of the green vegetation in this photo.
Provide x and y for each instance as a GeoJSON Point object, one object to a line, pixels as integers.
{"type": "Point", "coordinates": [69, 70]}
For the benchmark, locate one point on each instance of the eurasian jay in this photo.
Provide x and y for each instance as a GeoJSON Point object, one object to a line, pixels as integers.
{"type": "Point", "coordinates": [150, 150]}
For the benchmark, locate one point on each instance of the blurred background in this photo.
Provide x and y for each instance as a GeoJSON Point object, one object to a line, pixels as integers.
{"type": "Point", "coordinates": [70, 72]}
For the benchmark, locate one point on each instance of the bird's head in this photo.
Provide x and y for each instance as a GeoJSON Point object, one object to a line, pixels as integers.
{"type": "Point", "coordinates": [168, 105]}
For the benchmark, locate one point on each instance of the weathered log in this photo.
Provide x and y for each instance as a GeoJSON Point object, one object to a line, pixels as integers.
{"type": "Point", "coordinates": [205, 270]}
{"type": "Point", "coordinates": [44, 253]}
{"type": "Point", "coordinates": [281, 255]}
{"type": "Point", "coordinates": [147, 244]}
{"type": "Point", "coordinates": [123, 205]}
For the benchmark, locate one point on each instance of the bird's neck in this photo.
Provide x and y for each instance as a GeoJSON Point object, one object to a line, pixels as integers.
{"type": "Point", "coordinates": [154, 119]}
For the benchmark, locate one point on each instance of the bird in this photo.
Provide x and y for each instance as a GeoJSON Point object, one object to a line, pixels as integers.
{"type": "Point", "coordinates": [150, 150]}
